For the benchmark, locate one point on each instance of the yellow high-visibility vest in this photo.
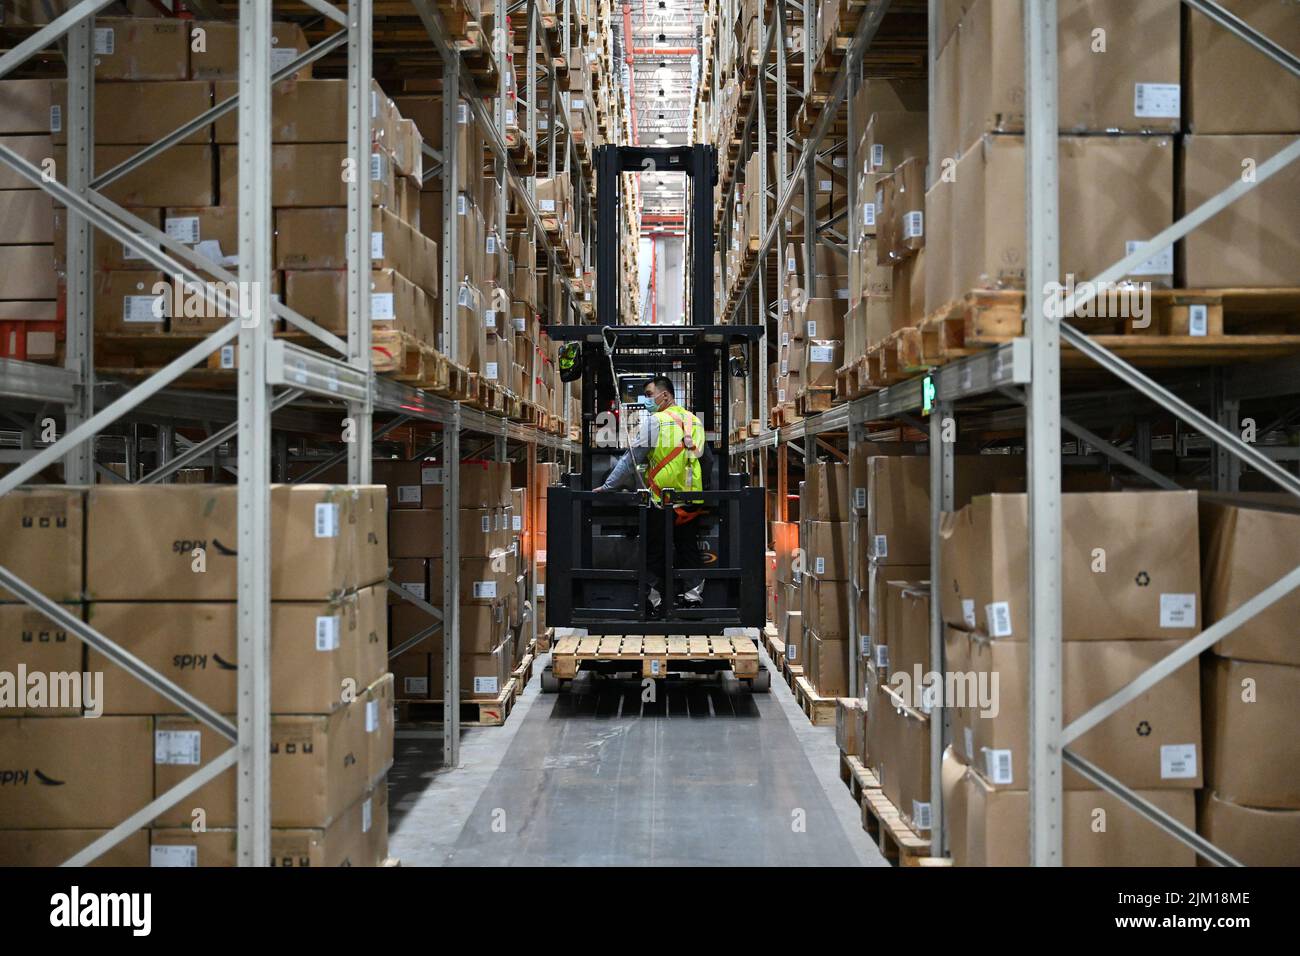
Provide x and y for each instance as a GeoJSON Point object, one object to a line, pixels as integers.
{"type": "Point", "coordinates": [674, 461]}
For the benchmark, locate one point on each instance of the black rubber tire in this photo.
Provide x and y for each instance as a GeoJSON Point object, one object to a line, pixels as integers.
{"type": "Point", "coordinates": [550, 683]}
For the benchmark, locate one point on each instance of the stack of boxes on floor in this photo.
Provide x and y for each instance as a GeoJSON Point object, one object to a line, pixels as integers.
{"type": "Point", "coordinates": [490, 566]}
{"type": "Point", "coordinates": [548, 473]}
{"type": "Point", "coordinates": [157, 568]}
{"type": "Point", "coordinates": [824, 534]}
{"type": "Point", "coordinates": [1250, 683]}
{"type": "Point", "coordinates": [787, 604]}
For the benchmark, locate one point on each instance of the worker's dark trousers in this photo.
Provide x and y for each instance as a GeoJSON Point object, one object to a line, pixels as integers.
{"type": "Point", "coordinates": [685, 551]}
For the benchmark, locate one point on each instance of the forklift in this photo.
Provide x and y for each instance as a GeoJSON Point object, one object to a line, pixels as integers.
{"type": "Point", "coordinates": [597, 579]}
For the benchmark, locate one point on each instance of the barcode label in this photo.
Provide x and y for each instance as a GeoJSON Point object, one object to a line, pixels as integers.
{"type": "Point", "coordinates": [408, 494]}
{"type": "Point", "coordinates": [914, 225]}
{"type": "Point", "coordinates": [56, 118]}
{"type": "Point", "coordinates": [105, 41]}
{"type": "Point", "coordinates": [655, 667]}
{"type": "Point", "coordinates": [789, 264]}
{"type": "Point", "coordinates": [491, 245]}
{"type": "Point", "coordinates": [462, 113]}
{"type": "Point", "coordinates": [1162, 263]}
{"type": "Point", "coordinates": [819, 566]}
{"type": "Point", "coordinates": [376, 245]}
{"type": "Point", "coordinates": [1177, 761]}
{"type": "Point", "coordinates": [430, 476]}
{"type": "Point", "coordinates": [864, 644]}
{"type": "Point", "coordinates": [381, 306]}
{"type": "Point", "coordinates": [880, 546]}
{"type": "Point", "coordinates": [183, 229]}
{"type": "Point", "coordinates": [517, 523]}
{"type": "Point", "coordinates": [824, 185]}
{"type": "Point", "coordinates": [227, 358]}
{"type": "Point", "coordinates": [1178, 610]}
{"type": "Point", "coordinates": [327, 520]}
{"type": "Point", "coordinates": [485, 685]}
{"type": "Point", "coordinates": [490, 318]}
{"type": "Point", "coordinates": [418, 686]}
{"type": "Point", "coordinates": [142, 308]}
{"type": "Point", "coordinates": [460, 204]}
{"type": "Point", "coordinates": [490, 371]}
{"type": "Point", "coordinates": [541, 556]}
{"type": "Point", "coordinates": [997, 766]}
{"type": "Point", "coordinates": [968, 613]}
{"type": "Point", "coordinates": [487, 524]}
{"type": "Point", "coordinates": [372, 716]}
{"type": "Point", "coordinates": [128, 254]}
{"type": "Point", "coordinates": [821, 354]}
{"type": "Point", "coordinates": [376, 167]}
{"type": "Point", "coordinates": [859, 497]}
{"type": "Point", "coordinates": [327, 632]}
{"type": "Point", "coordinates": [920, 815]}
{"type": "Point", "coordinates": [540, 591]}
{"type": "Point", "coordinates": [969, 737]}
{"type": "Point", "coordinates": [877, 155]}
{"type": "Point", "coordinates": [546, 205]}
{"type": "Point", "coordinates": [882, 656]}
{"type": "Point", "coordinates": [785, 338]}
{"type": "Point", "coordinates": [1157, 100]}
{"type": "Point", "coordinates": [791, 652]}
{"type": "Point", "coordinates": [485, 589]}
{"type": "Point", "coordinates": [184, 856]}
{"type": "Point", "coordinates": [812, 328]}
{"type": "Point", "coordinates": [366, 816]}
{"type": "Point", "coordinates": [462, 297]}
{"type": "Point", "coordinates": [282, 56]}
{"type": "Point", "coordinates": [868, 214]}
{"type": "Point", "coordinates": [416, 588]}
{"type": "Point", "coordinates": [521, 323]}
{"type": "Point", "coordinates": [1198, 319]}
{"type": "Point", "coordinates": [179, 748]}
{"type": "Point", "coordinates": [998, 617]}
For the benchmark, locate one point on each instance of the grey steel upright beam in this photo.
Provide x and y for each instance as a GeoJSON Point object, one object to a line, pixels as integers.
{"type": "Point", "coordinates": [254, 489]}
{"type": "Point", "coordinates": [79, 120]}
{"type": "Point", "coordinates": [358, 238]}
{"type": "Point", "coordinates": [942, 479]}
{"type": "Point", "coordinates": [450, 590]}
{"type": "Point", "coordinates": [451, 133]}
{"type": "Point", "coordinates": [1043, 435]}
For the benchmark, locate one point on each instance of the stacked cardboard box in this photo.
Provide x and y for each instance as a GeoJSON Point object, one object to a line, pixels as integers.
{"type": "Point", "coordinates": [824, 533]}
{"type": "Point", "coordinates": [1250, 683]}
{"type": "Point", "coordinates": [1130, 596]}
{"type": "Point", "coordinates": [810, 328]}
{"type": "Point", "coordinates": [159, 572]}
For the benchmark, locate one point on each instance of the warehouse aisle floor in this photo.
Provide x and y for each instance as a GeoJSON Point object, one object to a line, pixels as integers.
{"type": "Point", "coordinates": [595, 777]}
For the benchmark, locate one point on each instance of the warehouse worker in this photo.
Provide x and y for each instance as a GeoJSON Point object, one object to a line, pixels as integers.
{"type": "Point", "coordinates": [675, 455]}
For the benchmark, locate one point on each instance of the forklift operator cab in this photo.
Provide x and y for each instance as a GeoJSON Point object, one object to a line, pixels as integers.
{"type": "Point", "coordinates": [655, 535]}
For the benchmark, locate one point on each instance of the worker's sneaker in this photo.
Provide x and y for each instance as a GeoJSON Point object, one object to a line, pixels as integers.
{"type": "Point", "coordinates": [655, 599]}
{"type": "Point", "coordinates": [695, 595]}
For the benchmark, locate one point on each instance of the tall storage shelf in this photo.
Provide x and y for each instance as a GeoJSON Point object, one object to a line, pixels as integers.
{"type": "Point", "coordinates": [273, 387]}
{"type": "Point", "coordinates": [782, 114]}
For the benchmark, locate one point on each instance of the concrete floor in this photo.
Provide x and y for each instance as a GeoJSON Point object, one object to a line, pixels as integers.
{"type": "Point", "coordinates": [706, 776]}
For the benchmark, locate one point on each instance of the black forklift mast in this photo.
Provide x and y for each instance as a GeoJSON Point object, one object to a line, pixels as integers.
{"type": "Point", "coordinates": [597, 555]}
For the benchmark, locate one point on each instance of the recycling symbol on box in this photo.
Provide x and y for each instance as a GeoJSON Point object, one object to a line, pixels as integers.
{"type": "Point", "coordinates": [1144, 729]}
{"type": "Point", "coordinates": [1143, 579]}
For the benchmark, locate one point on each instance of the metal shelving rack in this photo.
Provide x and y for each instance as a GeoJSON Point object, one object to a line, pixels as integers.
{"type": "Point", "coordinates": [274, 376]}
{"type": "Point", "coordinates": [1026, 372]}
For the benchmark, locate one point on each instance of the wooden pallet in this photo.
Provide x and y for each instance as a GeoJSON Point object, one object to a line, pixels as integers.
{"type": "Point", "coordinates": [899, 844]}
{"type": "Point", "coordinates": [488, 712]}
{"type": "Point", "coordinates": [858, 778]}
{"type": "Point", "coordinates": [819, 710]}
{"type": "Point", "coordinates": [402, 357]}
{"type": "Point", "coordinates": [653, 656]}
{"type": "Point", "coordinates": [523, 673]}
{"type": "Point", "coordinates": [815, 399]}
{"type": "Point", "coordinates": [545, 637]}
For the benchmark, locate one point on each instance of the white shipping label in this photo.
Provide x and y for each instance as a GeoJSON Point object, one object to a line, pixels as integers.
{"type": "Point", "coordinates": [791, 652]}
{"type": "Point", "coordinates": [998, 618]}
{"type": "Point", "coordinates": [821, 354]}
{"type": "Point", "coordinates": [785, 366]}
{"type": "Point", "coordinates": [824, 185]}
{"type": "Point", "coordinates": [842, 292]}
{"type": "Point", "coordinates": [327, 632]}
{"type": "Point", "coordinates": [812, 328]}
{"type": "Point", "coordinates": [381, 306]}
{"type": "Point", "coordinates": [780, 395]}
{"type": "Point", "coordinates": [416, 685]}
{"type": "Point", "coordinates": [490, 318]}
{"type": "Point", "coordinates": [920, 815]}
{"type": "Point", "coordinates": [1157, 100]}
{"type": "Point", "coordinates": [492, 245]}
{"type": "Point", "coordinates": [487, 524]}
{"type": "Point", "coordinates": [1178, 610]}
{"type": "Point", "coordinates": [969, 736]}
{"type": "Point", "coordinates": [376, 167]}
{"type": "Point", "coordinates": [461, 204]}
{"type": "Point", "coordinates": [376, 245]}
{"type": "Point", "coordinates": [521, 323]}
{"type": "Point", "coordinates": [517, 523]}
{"type": "Point", "coordinates": [327, 520]}
{"type": "Point", "coordinates": [462, 113]}
{"type": "Point", "coordinates": [174, 855]}
{"type": "Point", "coordinates": [227, 359]}
{"type": "Point", "coordinates": [997, 766]}
{"type": "Point", "coordinates": [105, 41]}
{"type": "Point", "coordinates": [655, 667]}
{"type": "Point", "coordinates": [541, 556]}
{"type": "Point", "coordinates": [785, 338]}
{"type": "Point", "coordinates": [819, 566]}
{"type": "Point", "coordinates": [914, 225]}
{"type": "Point", "coordinates": [877, 155]}
{"type": "Point", "coordinates": [416, 588]}
{"type": "Point", "coordinates": [182, 228]}
{"type": "Point", "coordinates": [1161, 264]}
{"type": "Point", "coordinates": [510, 117]}
{"type": "Point", "coordinates": [1198, 319]}
{"type": "Point", "coordinates": [462, 297]}
{"type": "Point", "coordinates": [968, 613]}
{"type": "Point", "coordinates": [546, 205]}
{"type": "Point", "coordinates": [485, 589]}
{"type": "Point", "coordinates": [282, 56]}
{"type": "Point", "coordinates": [56, 118]}
{"type": "Point", "coordinates": [408, 494]}
{"type": "Point", "coordinates": [372, 716]}
{"type": "Point", "coordinates": [367, 816]}
{"type": "Point", "coordinates": [178, 748]}
{"type": "Point", "coordinates": [882, 656]}
{"type": "Point", "coordinates": [541, 591]}
{"type": "Point", "coordinates": [859, 497]}
{"type": "Point", "coordinates": [868, 214]}
{"type": "Point", "coordinates": [490, 371]}
{"type": "Point", "coordinates": [1177, 761]}
{"type": "Point", "coordinates": [430, 476]}
{"type": "Point", "coordinates": [880, 546]}
{"type": "Point", "coordinates": [790, 265]}
{"type": "Point", "coordinates": [485, 685]}
{"type": "Point", "coordinates": [864, 644]}
{"type": "Point", "coordinates": [142, 308]}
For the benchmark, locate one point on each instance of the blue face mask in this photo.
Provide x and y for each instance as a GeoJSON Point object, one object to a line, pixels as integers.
{"type": "Point", "coordinates": [647, 401]}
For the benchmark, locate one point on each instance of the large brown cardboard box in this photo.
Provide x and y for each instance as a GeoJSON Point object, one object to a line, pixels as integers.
{"type": "Point", "coordinates": [848, 724]}
{"type": "Point", "coordinates": [27, 272]}
{"type": "Point", "coordinates": [873, 614]}
{"type": "Point", "coordinates": [302, 111]}
{"type": "Point", "coordinates": [1250, 835]}
{"type": "Point", "coordinates": [785, 539]}
{"type": "Point", "coordinates": [205, 226]}
{"type": "Point", "coordinates": [411, 676]}
{"type": "Point", "coordinates": [27, 106]}
{"type": "Point", "coordinates": [858, 472]}
{"type": "Point", "coordinates": [395, 302]}
{"type": "Point", "coordinates": [140, 541]}
{"type": "Point", "coordinates": [898, 499]}
{"type": "Point", "coordinates": [826, 608]}
{"type": "Point", "coordinates": [380, 725]}
{"type": "Point", "coordinates": [827, 666]}
{"type": "Point", "coordinates": [1132, 87]}
{"type": "Point", "coordinates": [826, 549]}
{"type": "Point", "coordinates": [792, 633]}
{"type": "Point", "coordinates": [219, 57]}
{"type": "Point", "coordinates": [32, 148]}
{"type": "Point", "coordinates": [990, 827]}
{"type": "Point", "coordinates": [1250, 243]}
{"type": "Point", "coordinates": [1117, 190]}
{"type": "Point", "coordinates": [179, 176]}
{"type": "Point", "coordinates": [129, 48]}
{"type": "Point", "coordinates": [31, 644]}
{"type": "Point", "coordinates": [412, 575]}
{"type": "Point", "coordinates": [28, 215]}
{"type": "Point", "coordinates": [1233, 87]}
{"type": "Point", "coordinates": [900, 756]}
{"type": "Point", "coordinates": [56, 769]}
{"type": "Point", "coordinates": [42, 530]}
{"type": "Point", "coordinates": [49, 848]}
{"type": "Point", "coordinates": [1154, 742]}
{"type": "Point", "coordinates": [826, 491]}
{"type": "Point", "coordinates": [1252, 755]}
{"type": "Point", "coordinates": [907, 634]}
{"type": "Point", "coordinates": [132, 302]}
{"type": "Point", "coordinates": [1247, 543]}
{"type": "Point", "coordinates": [305, 174]}
{"type": "Point", "coordinates": [141, 113]}
{"type": "Point", "coordinates": [1129, 568]}
{"type": "Point", "coordinates": [322, 654]}
{"type": "Point", "coordinates": [318, 767]}
{"type": "Point", "coordinates": [108, 254]}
